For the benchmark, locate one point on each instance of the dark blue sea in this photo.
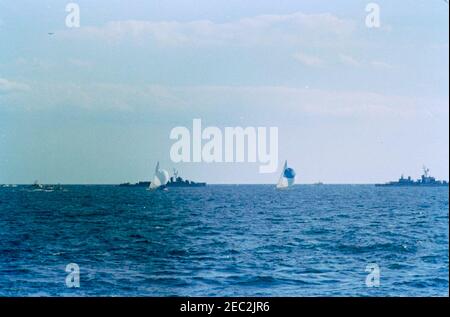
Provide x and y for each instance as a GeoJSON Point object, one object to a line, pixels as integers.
{"type": "Point", "coordinates": [225, 241]}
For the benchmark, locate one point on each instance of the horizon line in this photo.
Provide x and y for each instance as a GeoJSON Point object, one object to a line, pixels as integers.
{"type": "Point", "coordinates": [207, 184]}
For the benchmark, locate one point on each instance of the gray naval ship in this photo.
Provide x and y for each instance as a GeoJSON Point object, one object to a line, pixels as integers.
{"type": "Point", "coordinates": [425, 180]}
{"type": "Point", "coordinates": [174, 181]}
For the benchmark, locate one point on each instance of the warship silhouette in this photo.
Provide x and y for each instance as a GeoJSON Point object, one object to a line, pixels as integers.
{"type": "Point", "coordinates": [174, 181]}
{"type": "Point", "coordinates": [425, 180]}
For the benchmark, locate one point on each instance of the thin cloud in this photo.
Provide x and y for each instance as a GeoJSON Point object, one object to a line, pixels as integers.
{"type": "Point", "coordinates": [259, 30]}
{"type": "Point", "coordinates": [355, 62]}
{"type": "Point", "coordinates": [380, 65]}
{"type": "Point", "coordinates": [9, 86]}
{"type": "Point", "coordinates": [308, 60]}
{"type": "Point", "coordinates": [249, 100]}
{"type": "Point", "coordinates": [349, 60]}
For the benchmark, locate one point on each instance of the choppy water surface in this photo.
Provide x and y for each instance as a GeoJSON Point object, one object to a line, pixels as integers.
{"type": "Point", "coordinates": [224, 241]}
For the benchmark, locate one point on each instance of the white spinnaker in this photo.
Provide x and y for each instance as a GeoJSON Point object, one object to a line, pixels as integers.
{"type": "Point", "coordinates": [163, 176]}
{"type": "Point", "coordinates": [160, 178]}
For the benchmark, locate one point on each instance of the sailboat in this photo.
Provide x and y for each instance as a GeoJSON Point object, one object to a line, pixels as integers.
{"type": "Point", "coordinates": [160, 179]}
{"type": "Point", "coordinates": [287, 177]}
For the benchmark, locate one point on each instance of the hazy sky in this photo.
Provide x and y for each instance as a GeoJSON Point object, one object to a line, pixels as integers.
{"type": "Point", "coordinates": [96, 104]}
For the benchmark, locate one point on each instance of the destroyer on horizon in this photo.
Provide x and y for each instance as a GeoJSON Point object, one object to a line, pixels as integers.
{"type": "Point", "coordinates": [425, 180]}
{"type": "Point", "coordinates": [174, 181]}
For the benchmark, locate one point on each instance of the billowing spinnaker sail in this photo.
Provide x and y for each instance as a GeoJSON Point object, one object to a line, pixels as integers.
{"type": "Point", "coordinates": [160, 178]}
{"type": "Point", "coordinates": [163, 176]}
{"type": "Point", "coordinates": [287, 177]}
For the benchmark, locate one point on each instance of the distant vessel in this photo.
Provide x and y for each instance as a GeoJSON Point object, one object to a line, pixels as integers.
{"type": "Point", "coordinates": [426, 181]}
{"type": "Point", "coordinates": [174, 181]}
{"type": "Point", "coordinates": [139, 184]}
{"type": "Point", "coordinates": [48, 188]}
{"type": "Point", "coordinates": [36, 185]}
{"type": "Point", "coordinates": [160, 178]}
{"type": "Point", "coordinates": [287, 177]}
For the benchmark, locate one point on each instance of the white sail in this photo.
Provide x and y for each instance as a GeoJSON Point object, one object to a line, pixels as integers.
{"type": "Point", "coordinates": [287, 177]}
{"type": "Point", "coordinates": [282, 182]}
{"type": "Point", "coordinates": [160, 178]}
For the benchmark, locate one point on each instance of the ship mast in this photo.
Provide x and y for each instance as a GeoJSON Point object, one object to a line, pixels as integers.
{"type": "Point", "coordinates": [425, 171]}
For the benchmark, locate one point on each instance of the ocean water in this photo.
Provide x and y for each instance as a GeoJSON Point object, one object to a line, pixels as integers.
{"type": "Point", "coordinates": [225, 241]}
